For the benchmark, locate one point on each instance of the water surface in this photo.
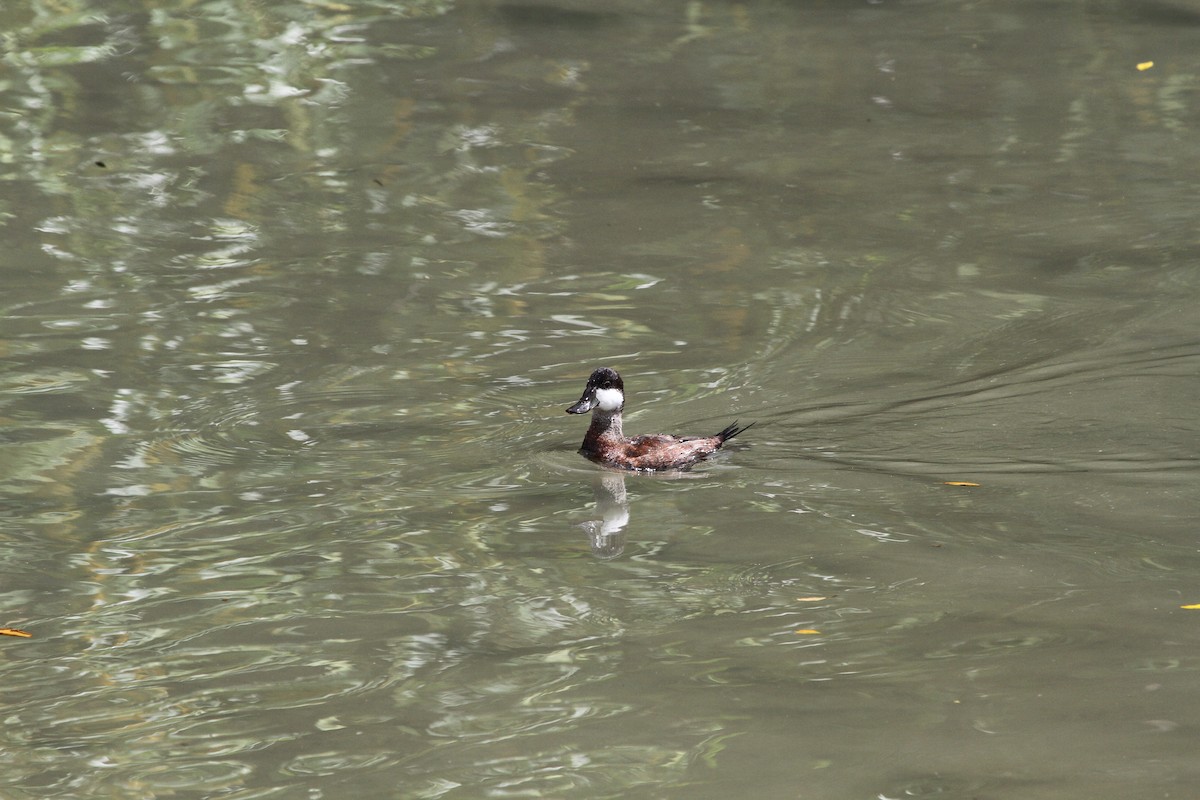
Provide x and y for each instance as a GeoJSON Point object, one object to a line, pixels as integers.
{"type": "Point", "coordinates": [295, 297]}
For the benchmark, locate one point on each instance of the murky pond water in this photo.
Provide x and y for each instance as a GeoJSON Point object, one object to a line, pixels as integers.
{"type": "Point", "coordinates": [295, 296]}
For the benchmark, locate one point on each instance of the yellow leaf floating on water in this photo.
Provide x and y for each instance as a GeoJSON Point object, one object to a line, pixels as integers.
{"type": "Point", "coordinates": [1192, 607]}
{"type": "Point", "coordinates": [1145, 65]}
{"type": "Point", "coordinates": [958, 483]}
{"type": "Point", "coordinates": [15, 632]}
{"type": "Point", "coordinates": [810, 599]}
{"type": "Point", "coordinates": [808, 632]}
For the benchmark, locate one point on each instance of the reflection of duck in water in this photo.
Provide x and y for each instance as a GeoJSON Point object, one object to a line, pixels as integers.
{"type": "Point", "coordinates": [604, 396]}
{"type": "Point", "coordinates": [606, 536]}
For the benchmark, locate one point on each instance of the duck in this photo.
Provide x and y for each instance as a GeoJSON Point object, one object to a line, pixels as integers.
{"type": "Point", "coordinates": [605, 442]}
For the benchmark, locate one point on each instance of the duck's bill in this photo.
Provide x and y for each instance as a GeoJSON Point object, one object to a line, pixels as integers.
{"type": "Point", "coordinates": [585, 403]}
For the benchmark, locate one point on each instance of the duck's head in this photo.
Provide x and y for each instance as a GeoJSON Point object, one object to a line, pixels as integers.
{"type": "Point", "coordinates": [605, 391]}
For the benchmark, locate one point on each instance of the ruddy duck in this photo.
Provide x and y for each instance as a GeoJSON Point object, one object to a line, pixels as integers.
{"type": "Point", "coordinates": [604, 442]}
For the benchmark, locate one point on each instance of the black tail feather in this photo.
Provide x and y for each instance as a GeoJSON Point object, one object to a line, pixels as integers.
{"type": "Point", "coordinates": [733, 430]}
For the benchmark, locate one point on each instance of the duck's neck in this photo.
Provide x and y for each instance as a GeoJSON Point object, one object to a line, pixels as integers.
{"type": "Point", "coordinates": [605, 425]}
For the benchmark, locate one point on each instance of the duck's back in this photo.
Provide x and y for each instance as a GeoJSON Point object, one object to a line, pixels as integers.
{"type": "Point", "coordinates": [661, 451]}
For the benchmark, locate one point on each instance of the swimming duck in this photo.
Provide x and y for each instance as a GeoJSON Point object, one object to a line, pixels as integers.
{"type": "Point", "coordinates": [605, 443]}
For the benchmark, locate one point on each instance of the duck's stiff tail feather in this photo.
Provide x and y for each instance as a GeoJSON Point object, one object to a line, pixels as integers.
{"type": "Point", "coordinates": [733, 430]}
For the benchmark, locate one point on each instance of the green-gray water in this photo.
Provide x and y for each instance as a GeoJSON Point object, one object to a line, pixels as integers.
{"type": "Point", "coordinates": [295, 295]}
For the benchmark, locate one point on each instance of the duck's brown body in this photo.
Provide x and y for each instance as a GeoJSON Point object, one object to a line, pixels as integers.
{"type": "Point", "coordinates": [606, 443]}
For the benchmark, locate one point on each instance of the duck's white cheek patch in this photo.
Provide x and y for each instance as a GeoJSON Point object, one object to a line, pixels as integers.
{"type": "Point", "coordinates": [609, 399]}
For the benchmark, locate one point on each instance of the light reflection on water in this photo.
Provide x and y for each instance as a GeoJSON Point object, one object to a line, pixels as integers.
{"type": "Point", "coordinates": [291, 319]}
